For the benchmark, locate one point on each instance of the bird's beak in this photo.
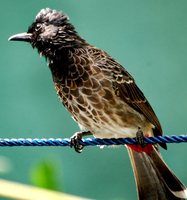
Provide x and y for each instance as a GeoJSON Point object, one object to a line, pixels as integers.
{"type": "Point", "coordinates": [26, 37]}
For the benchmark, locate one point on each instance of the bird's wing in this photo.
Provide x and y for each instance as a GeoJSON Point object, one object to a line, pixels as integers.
{"type": "Point", "coordinates": [126, 88]}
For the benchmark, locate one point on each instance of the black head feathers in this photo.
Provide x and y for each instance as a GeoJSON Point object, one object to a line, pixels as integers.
{"type": "Point", "coordinates": [50, 16]}
{"type": "Point", "coordinates": [50, 33]}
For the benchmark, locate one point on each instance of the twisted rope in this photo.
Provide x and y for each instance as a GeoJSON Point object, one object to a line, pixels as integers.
{"type": "Point", "coordinates": [89, 141]}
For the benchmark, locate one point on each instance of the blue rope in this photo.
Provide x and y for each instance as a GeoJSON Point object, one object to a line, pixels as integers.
{"type": "Point", "coordinates": [89, 141]}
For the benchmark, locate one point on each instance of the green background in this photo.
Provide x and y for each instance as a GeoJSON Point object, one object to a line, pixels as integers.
{"type": "Point", "coordinates": [148, 37]}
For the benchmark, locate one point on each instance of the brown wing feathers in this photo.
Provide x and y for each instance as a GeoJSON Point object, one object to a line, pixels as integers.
{"type": "Point", "coordinates": [128, 91]}
{"type": "Point", "coordinates": [132, 95]}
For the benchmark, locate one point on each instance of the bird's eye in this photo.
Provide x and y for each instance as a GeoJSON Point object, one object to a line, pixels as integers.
{"type": "Point", "coordinates": [38, 27]}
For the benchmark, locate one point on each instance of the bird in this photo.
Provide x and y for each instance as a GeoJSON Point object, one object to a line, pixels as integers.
{"type": "Point", "coordinates": [104, 99]}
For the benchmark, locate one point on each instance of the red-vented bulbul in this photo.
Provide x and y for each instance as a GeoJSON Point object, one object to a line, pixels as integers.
{"type": "Point", "coordinates": [104, 99]}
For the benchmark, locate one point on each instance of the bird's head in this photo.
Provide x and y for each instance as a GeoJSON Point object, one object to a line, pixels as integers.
{"type": "Point", "coordinates": [50, 30]}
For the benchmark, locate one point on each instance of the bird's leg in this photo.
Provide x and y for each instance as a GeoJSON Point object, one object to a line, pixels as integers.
{"type": "Point", "coordinates": [75, 140]}
{"type": "Point", "coordinates": [140, 137]}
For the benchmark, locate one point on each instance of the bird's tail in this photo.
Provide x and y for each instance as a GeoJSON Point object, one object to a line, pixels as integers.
{"type": "Point", "coordinates": [154, 179]}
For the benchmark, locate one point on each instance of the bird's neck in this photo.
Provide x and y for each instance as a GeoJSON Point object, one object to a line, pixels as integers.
{"type": "Point", "coordinates": [52, 51]}
{"type": "Point", "coordinates": [59, 63]}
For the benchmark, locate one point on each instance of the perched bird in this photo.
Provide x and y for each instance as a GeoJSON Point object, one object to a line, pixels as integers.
{"type": "Point", "coordinates": [104, 100]}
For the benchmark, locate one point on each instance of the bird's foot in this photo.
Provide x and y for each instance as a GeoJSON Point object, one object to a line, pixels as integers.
{"type": "Point", "coordinates": [140, 138]}
{"type": "Point", "coordinates": [141, 146]}
{"type": "Point", "coordinates": [75, 140]}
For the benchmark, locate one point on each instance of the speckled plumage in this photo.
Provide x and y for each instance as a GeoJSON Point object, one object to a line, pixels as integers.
{"type": "Point", "coordinates": [100, 94]}
{"type": "Point", "coordinates": [93, 90]}
{"type": "Point", "coordinates": [103, 98]}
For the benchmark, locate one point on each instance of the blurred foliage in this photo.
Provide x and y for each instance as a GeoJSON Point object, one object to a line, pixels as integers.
{"type": "Point", "coordinates": [44, 174]}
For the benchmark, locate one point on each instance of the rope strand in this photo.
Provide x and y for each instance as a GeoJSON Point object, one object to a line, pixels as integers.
{"type": "Point", "coordinates": [89, 141]}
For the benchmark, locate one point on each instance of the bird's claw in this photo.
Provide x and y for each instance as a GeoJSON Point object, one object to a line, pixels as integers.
{"type": "Point", "coordinates": [75, 142]}
{"type": "Point", "coordinates": [140, 138]}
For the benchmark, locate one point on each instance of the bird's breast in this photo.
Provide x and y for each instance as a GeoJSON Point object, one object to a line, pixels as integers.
{"type": "Point", "coordinates": [91, 100]}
